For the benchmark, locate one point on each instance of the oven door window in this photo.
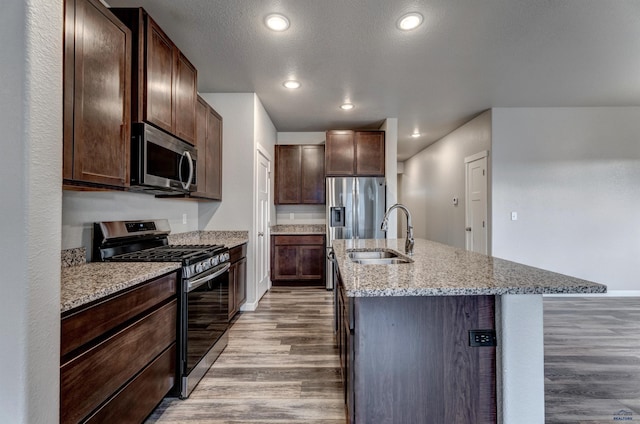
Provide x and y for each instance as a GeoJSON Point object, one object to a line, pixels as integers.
{"type": "Point", "coordinates": [207, 318]}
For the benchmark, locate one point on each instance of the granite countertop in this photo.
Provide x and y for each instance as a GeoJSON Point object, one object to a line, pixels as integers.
{"type": "Point", "coordinates": [85, 283]}
{"type": "Point", "coordinates": [298, 229]}
{"type": "Point", "coordinates": [441, 270]}
{"type": "Point", "coordinates": [230, 239]}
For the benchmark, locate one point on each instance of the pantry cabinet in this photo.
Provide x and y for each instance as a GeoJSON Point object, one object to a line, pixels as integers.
{"type": "Point", "coordinates": [299, 174]}
{"type": "Point", "coordinates": [355, 153]}
{"type": "Point", "coordinates": [164, 82]}
{"type": "Point", "coordinates": [96, 99]}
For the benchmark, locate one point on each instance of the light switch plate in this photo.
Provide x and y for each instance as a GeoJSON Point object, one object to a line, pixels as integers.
{"type": "Point", "coordinates": [514, 216]}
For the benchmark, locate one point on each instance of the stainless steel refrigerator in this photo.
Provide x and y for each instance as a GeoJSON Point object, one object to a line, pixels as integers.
{"type": "Point", "coordinates": [355, 208]}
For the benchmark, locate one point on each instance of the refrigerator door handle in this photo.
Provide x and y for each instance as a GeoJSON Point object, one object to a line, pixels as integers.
{"type": "Point", "coordinates": [356, 209]}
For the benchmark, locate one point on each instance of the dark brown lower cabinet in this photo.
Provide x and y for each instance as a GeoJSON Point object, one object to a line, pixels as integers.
{"type": "Point", "coordinates": [298, 259]}
{"type": "Point", "coordinates": [237, 278]}
{"type": "Point", "coordinates": [122, 372]}
{"type": "Point", "coordinates": [408, 359]}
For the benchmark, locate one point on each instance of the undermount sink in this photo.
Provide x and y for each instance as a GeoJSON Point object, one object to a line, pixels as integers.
{"type": "Point", "coordinates": [377, 257]}
{"type": "Point", "coordinates": [381, 261]}
{"type": "Point", "coordinates": [376, 254]}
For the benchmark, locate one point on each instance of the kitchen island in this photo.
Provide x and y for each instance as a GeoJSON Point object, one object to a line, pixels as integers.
{"type": "Point", "coordinates": [405, 341]}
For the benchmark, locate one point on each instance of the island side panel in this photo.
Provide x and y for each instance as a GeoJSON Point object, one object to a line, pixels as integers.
{"type": "Point", "coordinates": [521, 339]}
{"type": "Point", "coordinates": [413, 362]}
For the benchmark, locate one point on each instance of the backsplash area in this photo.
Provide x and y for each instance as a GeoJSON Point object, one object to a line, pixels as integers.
{"type": "Point", "coordinates": [81, 209]}
{"type": "Point", "coordinates": [300, 214]}
{"type": "Point", "coordinates": [73, 257]}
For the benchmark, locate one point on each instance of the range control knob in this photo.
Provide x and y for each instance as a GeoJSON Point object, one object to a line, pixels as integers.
{"type": "Point", "coordinates": [214, 260]}
{"type": "Point", "coordinates": [199, 268]}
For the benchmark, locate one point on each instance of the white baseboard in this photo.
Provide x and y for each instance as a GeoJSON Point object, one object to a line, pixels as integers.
{"type": "Point", "coordinates": [610, 293]}
{"type": "Point", "coordinates": [249, 306]}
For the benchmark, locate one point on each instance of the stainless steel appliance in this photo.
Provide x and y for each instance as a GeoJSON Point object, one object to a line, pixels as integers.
{"type": "Point", "coordinates": [355, 209]}
{"type": "Point", "coordinates": [203, 292]}
{"type": "Point", "coordinates": [161, 163]}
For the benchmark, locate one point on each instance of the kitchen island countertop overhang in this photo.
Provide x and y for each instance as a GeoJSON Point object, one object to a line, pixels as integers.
{"type": "Point", "coordinates": [440, 270]}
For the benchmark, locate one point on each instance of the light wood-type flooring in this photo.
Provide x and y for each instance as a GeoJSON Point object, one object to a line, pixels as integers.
{"type": "Point", "coordinates": [592, 360]}
{"type": "Point", "coordinates": [280, 366]}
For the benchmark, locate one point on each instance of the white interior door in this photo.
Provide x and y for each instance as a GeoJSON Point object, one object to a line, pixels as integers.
{"type": "Point", "coordinates": [263, 192]}
{"type": "Point", "coordinates": [476, 203]}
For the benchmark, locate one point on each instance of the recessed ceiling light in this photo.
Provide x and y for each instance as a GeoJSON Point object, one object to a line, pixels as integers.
{"type": "Point", "coordinates": [292, 84]}
{"type": "Point", "coordinates": [410, 21]}
{"type": "Point", "coordinates": [277, 22]}
{"type": "Point", "coordinates": [347, 106]}
{"type": "Point", "coordinates": [415, 134]}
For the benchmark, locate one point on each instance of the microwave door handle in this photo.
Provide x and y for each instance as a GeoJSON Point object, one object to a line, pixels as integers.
{"type": "Point", "coordinates": [190, 179]}
{"type": "Point", "coordinates": [186, 185]}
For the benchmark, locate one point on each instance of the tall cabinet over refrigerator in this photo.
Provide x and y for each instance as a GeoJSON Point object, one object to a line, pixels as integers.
{"type": "Point", "coordinates": [355, 209]}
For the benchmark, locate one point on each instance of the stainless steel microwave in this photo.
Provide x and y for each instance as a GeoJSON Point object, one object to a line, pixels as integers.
{"type": "Point", "coordinates": [160, 162]}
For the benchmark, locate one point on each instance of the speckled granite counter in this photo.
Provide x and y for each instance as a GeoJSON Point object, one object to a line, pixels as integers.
{"type": "Point", "coordinates": [440, 270]}
{"type": "Point", "coordinates": [228, 238]}
{"type": "Point", "coordinates": [85, 283]}
{"type": "Point", "coordinates": [298, 229]}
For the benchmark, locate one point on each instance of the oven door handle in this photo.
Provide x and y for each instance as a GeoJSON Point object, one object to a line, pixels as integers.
{"type": "Point", "coordinates": [194, 284]}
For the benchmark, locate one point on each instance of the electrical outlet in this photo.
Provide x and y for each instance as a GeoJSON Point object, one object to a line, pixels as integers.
{"type": "Point", "coordinates": [480, 338]}
{"type": "Point", "coordinates": [514, 216]}
{"type": "Point", "coordinates": [184, 218]}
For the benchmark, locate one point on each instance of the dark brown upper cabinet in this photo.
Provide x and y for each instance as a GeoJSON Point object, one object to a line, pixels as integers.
{"type": "Point", "coordinates": [96, 99]}
{"type": "Point", "coordinates": [209, 145]}
{"type": "Point", "coordinates": [355, 153]}
{"type": "Point", "coordinates": [164, 82]}
{"type": "Point", "coordinates": [299, 174]}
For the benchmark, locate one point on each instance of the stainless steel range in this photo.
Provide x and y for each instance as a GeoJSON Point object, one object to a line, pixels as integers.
{"type": "Point", "coordinates": [203, 294]}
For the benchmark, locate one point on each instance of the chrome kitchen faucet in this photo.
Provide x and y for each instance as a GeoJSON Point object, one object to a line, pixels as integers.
{"type": "Point", "coordinates": [408, 244]}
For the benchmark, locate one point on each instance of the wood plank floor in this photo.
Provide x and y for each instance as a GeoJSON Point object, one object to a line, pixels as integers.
{"type": "Point", "coordinates": [592, 360]}
{"type": "Point", "coordinates": [280, 366]}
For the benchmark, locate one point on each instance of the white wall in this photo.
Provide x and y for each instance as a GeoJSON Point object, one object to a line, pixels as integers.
{"type": "Point", "coordinates": [301, 137]}
{"type": "Point", "coordinates": [80, 209]}
{"type": "Point", "coordinates": [31, 124]}
{"type": "Point", "coordinates": [573, 176]}
{"type": "Point", "coordinates": [245, 124]}
{"type": "Point", "coordinates": [265, 139]}
{"type": "Point", "coordinates": [265, 135]}
{"type": "Point", "coordinates": [434, 176]}
{"type": "Point", "coordinates": [390, 127]}
{"type": "Point", "coordinates": [235, 212]}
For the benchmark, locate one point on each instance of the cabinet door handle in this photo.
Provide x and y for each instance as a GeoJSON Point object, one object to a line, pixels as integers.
{"type": "Point", "coordinates": [260, 234]}
{"type": "Point", "coordinates": [468, 229]}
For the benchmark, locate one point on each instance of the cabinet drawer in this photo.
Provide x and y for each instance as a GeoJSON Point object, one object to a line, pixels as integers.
{"type": "Point", "coordinates": [137, 399]}
{"type": "Point", "coordinates": [237, 253]}
{"type": "Point", "coordinates": [92, 377]}
{"type": "Point", "coordinates": [85, 325]}
{"type": "Point", "coordinates": [299, 240]}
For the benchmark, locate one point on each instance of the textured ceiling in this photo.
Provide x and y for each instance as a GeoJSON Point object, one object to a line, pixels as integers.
{"type": "Point", "coordinates": [468, 56]}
